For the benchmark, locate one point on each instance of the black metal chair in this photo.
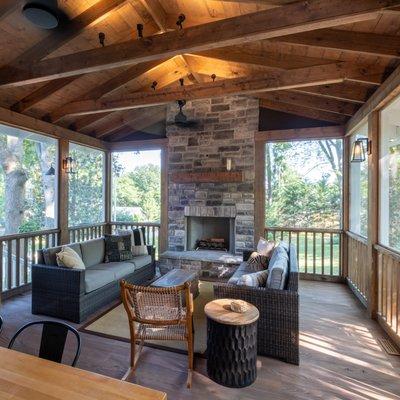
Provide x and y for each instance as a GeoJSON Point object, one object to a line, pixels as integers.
{"type": "Point", "coordinates": [53, 339]}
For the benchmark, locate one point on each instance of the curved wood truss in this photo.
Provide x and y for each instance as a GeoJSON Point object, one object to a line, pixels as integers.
{"type": "Point", "coordinates": [320, 59]}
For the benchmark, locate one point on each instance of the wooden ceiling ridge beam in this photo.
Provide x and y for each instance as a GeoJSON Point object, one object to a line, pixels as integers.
{"type": "Point", "coordinates": [54, 41]}
{"type": "Point", "coordinates": [378, 45]}
{"type": "Point", "coordinates": [278, 80]}
{"type": "Point", "coordinates": [281, 21]}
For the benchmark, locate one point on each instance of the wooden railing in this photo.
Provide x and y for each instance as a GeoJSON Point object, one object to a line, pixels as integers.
{"type": "Point", "coordinates": [152, 231]}
{"type": "Point", "coordinates": [389, 291]}
{"type": "Point", "coordinates": [357, 273]}
{"type": "Point", "coordinates": [17, 253]}
{"type": "Point", "coordinates": [86, 232]}
{"type": "Point", "coordinates": [319, 251]}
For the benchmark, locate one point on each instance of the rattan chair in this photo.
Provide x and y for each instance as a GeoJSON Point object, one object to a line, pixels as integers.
{"type": "Point", "coordinates": [158, 314]}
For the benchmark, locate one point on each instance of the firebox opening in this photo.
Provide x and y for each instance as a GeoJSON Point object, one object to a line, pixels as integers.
{"type": "Point", "coordinates": [210, 233]}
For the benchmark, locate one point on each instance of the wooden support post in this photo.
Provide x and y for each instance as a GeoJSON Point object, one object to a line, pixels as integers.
{"type": "Point", "coordinates": [107, 190]}
{"type": "Point", "coordinates": [163, 233]}
{"type": "Point", "coordinates": [373, 213]}
{"type": "Point", "coordinates": [63, 152]}
{"type": "Point", "coordinates": [346, 206]}
{"type": "Point", "coordinates": [259, 191]}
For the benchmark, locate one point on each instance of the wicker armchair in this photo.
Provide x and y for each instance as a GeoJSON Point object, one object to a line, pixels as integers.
{"type": "Point", "coordinates": [158, 314]}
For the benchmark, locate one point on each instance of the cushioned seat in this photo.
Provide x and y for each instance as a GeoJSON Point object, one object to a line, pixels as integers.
{"type": "Point", "coordinates": [97, 278]}
{"type": "Point", "coordinates": [241, 270]}
{"type": "Point", "coordinates": [119, 269]}
{"type": "Point", "coordinates": [278, 268]}
{"type": "Point", "coordinates": [141, 261]}
{"type": "Point", "coordinates": [93, 252]}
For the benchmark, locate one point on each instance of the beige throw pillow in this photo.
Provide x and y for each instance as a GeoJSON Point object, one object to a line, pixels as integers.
{"type": "Point", "coordinates": [265, 247]}
{"type": "Point", "coordinates": [69, 258]}
{"type": "Point", "coordinates": [137, 250]}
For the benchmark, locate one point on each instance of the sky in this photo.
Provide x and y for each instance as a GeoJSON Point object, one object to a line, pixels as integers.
{"type": "Point", "coordinates": [131, 160]}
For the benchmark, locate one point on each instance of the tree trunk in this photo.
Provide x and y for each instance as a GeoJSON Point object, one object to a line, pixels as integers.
{"type": "Point", "coordinates": [15, 180]}
{"type": "Point", "coordinates": [46, 158]}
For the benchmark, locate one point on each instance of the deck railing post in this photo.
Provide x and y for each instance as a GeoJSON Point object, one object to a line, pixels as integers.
{"type": "Point", "coordinates": [63, 151]}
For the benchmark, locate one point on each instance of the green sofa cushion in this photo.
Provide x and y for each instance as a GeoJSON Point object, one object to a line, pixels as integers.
{"type": "Point", "coordinates": [93, 252]}
{"type": "Point", "coordinates": [97, 278]}
{"type": "Point", "coordinates": [141, 261]}
{"type": "Point", "coordinates": [118, 269]}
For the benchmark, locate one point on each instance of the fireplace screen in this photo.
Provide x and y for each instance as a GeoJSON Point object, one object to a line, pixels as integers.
{"type": "Point", "coordinates": [210, 233]}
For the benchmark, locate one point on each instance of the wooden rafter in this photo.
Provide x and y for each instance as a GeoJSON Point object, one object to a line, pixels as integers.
{"type": "Point", "coordinates": [8, 6]}
{"type": "Point", "coordinates": [304, 111]}
{"type": "Point", "coordinates": [279, 80]}
{"type": "Point", "coordinates": [54, 41]}
{"type": "Point", "coordinates": [347, 91]}
{"type": "Point", "coordinates": [323, 132]}
{"type": "Point", "coordinates": [314, 102]}
{"type": "Point", "coordinates": [350, 41]}
{"type": "Point", "coordinates": [268, 24]}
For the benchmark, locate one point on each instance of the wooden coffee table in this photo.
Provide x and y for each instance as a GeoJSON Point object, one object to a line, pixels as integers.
{"type": "Point", "coordinates": [178, 277]}
{"type": "Point", "coordinates": [231, 344]}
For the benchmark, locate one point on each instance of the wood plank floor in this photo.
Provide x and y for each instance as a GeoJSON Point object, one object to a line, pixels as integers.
{"type": "Point", "coordinates": [340, 356]}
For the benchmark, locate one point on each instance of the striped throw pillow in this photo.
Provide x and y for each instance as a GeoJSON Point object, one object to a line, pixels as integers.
{"type": "Point", "coordinates": [257, 262]}
{"type": "Point", "coordinates": [256, 279]}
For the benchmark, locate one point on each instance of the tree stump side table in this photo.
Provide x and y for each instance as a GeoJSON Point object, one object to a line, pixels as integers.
{"type": "Point", "coordinates": [231, 344]}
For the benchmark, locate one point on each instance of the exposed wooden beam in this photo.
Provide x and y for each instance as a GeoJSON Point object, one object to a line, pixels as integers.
{"type": "Point", "coordinates": [268, 24]}
{"type": "Point", "coordinates": [347, 91]}
{"type": "Point", "coordinates": [157, 12]}
{"type": "Point", "coordinates": [304, 111]}
{"type": "Point", "coordinates": [323, 132]}
{"type": "Point", "coordinates": [8, 6]}
{"type": "Point", "coordinates": [279, 80]}
{"type": "Point", "coordinates": [109, 86]}
{"type": "Point", "coordinates": [54, 41]}
{"type": "Point", "coordinates": [36, 125]}
{"type": "Point", "coordinates": [40, 94]}
{"type": "Point", "coordinates": [349, 41]}
{"type": "Point", "coordinates": [389, 90]}
{"type": "Point", "coordinates": [310, 101]}
{"type": "Point", "coordinates": [163, 78]}
{"type": "Point", "coordinates": [137, 119]}
{"type": "Point", "coordinates": [270, 59]}
{"type": "Point", "coordinates": [65, 33]}
{"type": "Point", "coordinates": [132, 145]}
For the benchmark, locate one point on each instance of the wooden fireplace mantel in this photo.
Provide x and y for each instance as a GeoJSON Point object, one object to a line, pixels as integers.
{"type": "Point", "coordinates": [202, 177]}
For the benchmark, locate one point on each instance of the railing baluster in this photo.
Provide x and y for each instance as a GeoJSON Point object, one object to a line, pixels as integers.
{"type": "Point", "coordinates": [305, 252]}
{"type": "Point", "coordinates": [331, 253]}
{"type": "Point", "coordinates": [314, 254]}
{"type": "Point", "coordinates": [9, 264]}
{"type": "Point", "coordinates": [322, 253]}
{"type": "Point", "coordinates": [26, 260]}
{"type": "Point", "coordinates": [17, 263]}
{"type": "Point", "coordinates": [2, 275]}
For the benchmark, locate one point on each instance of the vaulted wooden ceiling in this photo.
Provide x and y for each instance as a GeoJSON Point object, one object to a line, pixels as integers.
{"type": "Point", "coordinates": [320, 59]}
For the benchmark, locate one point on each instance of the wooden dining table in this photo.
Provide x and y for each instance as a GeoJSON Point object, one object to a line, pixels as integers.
{"type": "Point", "coordinates": [25, 377]}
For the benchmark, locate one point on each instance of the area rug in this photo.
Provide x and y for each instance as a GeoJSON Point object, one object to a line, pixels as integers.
{"type": "Point", "coordinates": [113, 324]}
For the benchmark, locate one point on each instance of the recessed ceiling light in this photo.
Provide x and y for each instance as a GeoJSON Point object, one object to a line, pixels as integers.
{"type": "Point", "coordinates": [41, 15]}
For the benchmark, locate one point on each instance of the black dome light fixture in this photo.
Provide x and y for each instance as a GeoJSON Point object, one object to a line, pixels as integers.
{"type": "Point", "coordinates": [42, 13]}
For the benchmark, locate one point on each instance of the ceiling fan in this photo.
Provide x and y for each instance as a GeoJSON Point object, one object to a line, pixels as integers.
{"type": "Point", "coordinates": [181, 119]}
{"type": "Point", "coordinates": [45, 14]}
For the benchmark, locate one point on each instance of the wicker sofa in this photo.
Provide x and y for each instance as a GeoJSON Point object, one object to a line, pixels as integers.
{"type": "Point", "coordinates": [74, 294]}
{"type": "Point", "coordinates": [278, 325]}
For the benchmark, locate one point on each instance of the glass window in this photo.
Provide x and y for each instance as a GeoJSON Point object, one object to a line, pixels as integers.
{"type": "Point", "coordinates": [359, 189]}
{"type": "Point", "coordinates": [304, 184]}
{"type": "Point", "coordinates": [136, 188]}
{"type": "Point", "coordinates": [27, 181]}
{"type": "Point", "coordinates": [390, 176]}
{"type": "Point", "coordinates": [86, 186]}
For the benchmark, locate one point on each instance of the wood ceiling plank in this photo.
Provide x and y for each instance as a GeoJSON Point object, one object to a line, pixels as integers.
{"type": "Point", "coordinates": [310, 101]}
{"type": "Point", "coordinates": [267, 24]}
{"type": "Point", "coordinates": [349, 41]}
{"type": "Point", "coordinates": [304, 111]}
{"type": "Point", "coordinates": [7, 7]}
{"type": "Point", "coordinates": [279, 80]}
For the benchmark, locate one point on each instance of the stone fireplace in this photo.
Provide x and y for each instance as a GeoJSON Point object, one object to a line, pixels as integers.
{"type": "Point", "coordinates": [225, 129]}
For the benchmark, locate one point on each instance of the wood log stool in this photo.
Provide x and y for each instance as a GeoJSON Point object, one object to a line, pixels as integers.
{"type": "Point", "coordinates": [231, 344]}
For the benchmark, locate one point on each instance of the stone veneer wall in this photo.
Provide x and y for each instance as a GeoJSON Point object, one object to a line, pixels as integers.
{"type": "Point", "coordinates": [226, 129]}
